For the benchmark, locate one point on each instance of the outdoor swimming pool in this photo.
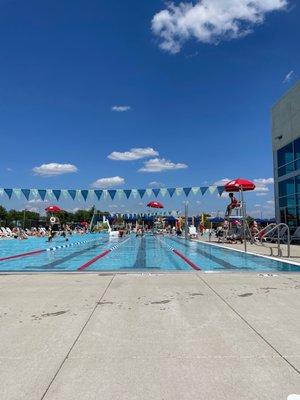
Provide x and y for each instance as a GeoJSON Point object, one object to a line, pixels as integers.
{"type": "Point", "coordinates": [96, 252]}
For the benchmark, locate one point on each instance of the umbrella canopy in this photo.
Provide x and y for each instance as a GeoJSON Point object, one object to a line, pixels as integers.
{"type": "Point", "coordinates": [239, 184]}
{"type": "Point", "coordinates": [53, 209]}
{"type": "Point", "coordinates": [216, 220]}
{"type": "Point", "coordinates": [155, 204]}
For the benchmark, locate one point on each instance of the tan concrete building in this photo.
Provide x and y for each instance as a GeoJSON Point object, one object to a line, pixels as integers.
{"type": "Point", "coordinates": [286, 157]}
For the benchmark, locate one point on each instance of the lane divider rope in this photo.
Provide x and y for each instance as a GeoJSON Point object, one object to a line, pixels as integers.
{"type": "Point", "coordinates": [179, 254]}
{"type": "Point", "coordinates": [34, 252]}
{"type": "Point", "coordinates": [101, 255]}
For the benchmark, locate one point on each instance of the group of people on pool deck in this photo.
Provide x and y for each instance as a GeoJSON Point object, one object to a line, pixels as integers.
{"type": "Point", "coordinates": [50, 232]}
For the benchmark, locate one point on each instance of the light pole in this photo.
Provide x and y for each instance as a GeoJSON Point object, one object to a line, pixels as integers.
{"type": "Point", "coordinates": [24, 216]}
{"type": "Point", "coordinates": [186, 217]}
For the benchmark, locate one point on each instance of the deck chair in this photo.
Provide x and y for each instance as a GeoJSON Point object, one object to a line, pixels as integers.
{"type": "Point", "coordinates": [4, 231]}
{"type": "Point", "coordinates": [296, 235]}
{"type": "Point", "coordinates": [9, 231]}
{"type": "Point", "coordinates": [273, 236]}
{"type": "Point", "coordinates": [193, 232]}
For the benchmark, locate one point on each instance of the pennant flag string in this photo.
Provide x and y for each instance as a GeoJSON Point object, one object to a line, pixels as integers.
{"type": "Point", "coordinates": [84, 194]}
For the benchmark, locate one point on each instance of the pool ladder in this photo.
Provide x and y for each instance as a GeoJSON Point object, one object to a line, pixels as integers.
{"type": "Point", "coordinates": [278, 234]}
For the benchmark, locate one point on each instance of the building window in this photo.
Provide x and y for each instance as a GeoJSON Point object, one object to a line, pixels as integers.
{"type": "Point", "coordinates": [297, 149]}
{"type": "Point", "coordinates": [286, 169]}
{"type": "Point", "coordinates": [297, 184]}
{"type": "Point", "coordinates": [286, 187]}
{"type": "Point", "coordinates": [285, 155]}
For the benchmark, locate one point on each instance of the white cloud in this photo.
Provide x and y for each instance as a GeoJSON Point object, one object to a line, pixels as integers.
{"type": "Point", "coordinates": [161, 164]}
{"type": "Point", "coordinates": [133, 154]}
{"type": "Point", "coordinates": [103, 183]}
{"type": "Point", "coordinates": [120, 108]}
{"type": "Point", "coordinates": [261, 194]}
{"type": "Point", "coordinates": [155, 184]}
{"type": "Point", "coordinates": [221, 182]}
{"type": "Point", "coordinates": [210, 21]}
{"type": "Point", "coordinates": [289, 76]}
{"type": "Point", "coordinates": [8, 169]}
{"type": "Point", "coordinates": [262, 184]}
{"type": "Point", "coordinates": [37, 201]}
{"type": "Point", "coordinates": [54, 169]}
{"type": "Point", "coordinates": [271, 202]}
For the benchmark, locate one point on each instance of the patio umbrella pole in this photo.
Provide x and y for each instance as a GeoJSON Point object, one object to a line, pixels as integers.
{"type": "Point", "coordinates": [244, 220]}
{"type": "Point", "coordinates": [186, 228]}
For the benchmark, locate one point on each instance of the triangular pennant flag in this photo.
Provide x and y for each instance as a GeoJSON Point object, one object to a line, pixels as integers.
{"type": "Point", "coordinates": [178, 191]}
{"type": "Point", "coordinates": [120, 193]}
{"type": "Point", "coordinates": [163, 192]}
{"type": "Point", "coordinates": [212, 189]}
{"type": "Point", "coordinates": [26, 193]}
{"type": "Point", "coordinates": [35, 193]}
{"type": "Point", "coordinates": [203, 189]}
{"type": "Point", "coordinates": [141, 192]}
{"type": "Point", "coordinates": [187, 191]}
{"type": "Point", "coordinates": [220, 190]}
{"type": "Point", "coordinates": [195, 189]}
{"type": "Point", "coordinates": [105, 193]}
{"type": "Point", "coordinates": [49, 193]}
{"type": "Point", "coordinates": [17, 193]}
{"type": "Point", "coordinates": [42, 193]}
{"type": "Point", "coordinates": [1, 192]}
{"type": "Point", "coordinates": [112, 193]}
{"type": "Point", "coordinates": [171, 191]}
{"type": "Point", "coordinates": [84, 194]}
{"type": "Point", "coordinates": [156, 192]}
{"type": "Point", "coordinates": [91, 193]}
{"type": "Point", "coordinates": [8, 192]}
{"type": "Point", "coordinates": [127, 193]}
{"type": "Point", "coordinates": [149, 192]}
{"type": "Point", "coordinates": [56, 193]}
{"type": "Point", "coordinates": [134, 192]}
{"type": "Point", "coordinates": [72, 193]}
{"type": "Point", "coordinates": [98, 193]}
{"type": "Point", "coordinates": [64, 192]}
{"type": "Point", "coordinates": [78, 193]}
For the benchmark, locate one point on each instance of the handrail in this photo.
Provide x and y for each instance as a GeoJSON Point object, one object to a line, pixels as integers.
{"type": "Point", "coordinates": [276, 227]}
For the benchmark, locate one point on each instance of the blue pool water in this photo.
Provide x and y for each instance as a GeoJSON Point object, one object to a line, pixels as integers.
{"type": "Point", "coordinates": [128, 254]}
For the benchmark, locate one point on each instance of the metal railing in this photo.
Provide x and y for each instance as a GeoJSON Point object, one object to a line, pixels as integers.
{"type": "Point", "coordinates": [279, 234]}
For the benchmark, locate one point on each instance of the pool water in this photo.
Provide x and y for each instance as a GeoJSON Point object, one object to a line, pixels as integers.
{"type": "Point", "coordinates": [97, 252]}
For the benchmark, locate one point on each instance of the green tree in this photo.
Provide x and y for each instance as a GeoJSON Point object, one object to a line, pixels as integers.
{"type": "Point", "coordinates": [3, 214]}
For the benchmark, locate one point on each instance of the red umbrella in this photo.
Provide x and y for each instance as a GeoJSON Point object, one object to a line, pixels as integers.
{"type": "Point", "coordinates": [53, 209]}
{"type": "Point", "coordinates": [155, 204]}
{"type": "Point", "coordinates": [238, 185]}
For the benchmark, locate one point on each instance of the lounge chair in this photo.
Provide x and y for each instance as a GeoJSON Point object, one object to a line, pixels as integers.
{"type": "Point", "coordinates": [9, 231]}
{"type": "Point", "coordinates": [4, 231]}
{"type": "Point", "coordinates": [273, 236]}
{"type": "Point", "coordinates": [296, 235]}
{"type": "Point", "coordinates": [193, 232]}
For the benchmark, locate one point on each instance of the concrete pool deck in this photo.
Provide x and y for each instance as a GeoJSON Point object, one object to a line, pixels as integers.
{"type": "Point", "coordinates": [258, 249]}
{"type": "Point", "coordinates": [149, 336]}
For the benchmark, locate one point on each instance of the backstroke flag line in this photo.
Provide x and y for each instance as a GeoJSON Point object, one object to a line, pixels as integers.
{"type": "Point", "coordinates": [97, 194]}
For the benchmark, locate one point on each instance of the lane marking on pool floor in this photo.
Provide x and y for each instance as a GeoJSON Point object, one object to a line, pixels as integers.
{"type": "Point", "coordinates": [179, 254]}
{"type": "Point", "coordinates": [34, 252]}
{"type": "Point", "coordinates": [101, 255]}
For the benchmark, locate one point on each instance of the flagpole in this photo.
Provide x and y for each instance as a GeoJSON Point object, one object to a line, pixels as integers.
{"type": "Point", "coordinates": [186, 214]}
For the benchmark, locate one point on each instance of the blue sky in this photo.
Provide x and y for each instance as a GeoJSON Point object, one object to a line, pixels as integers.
{"type": "Point", "coordinates": [193, 83]}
